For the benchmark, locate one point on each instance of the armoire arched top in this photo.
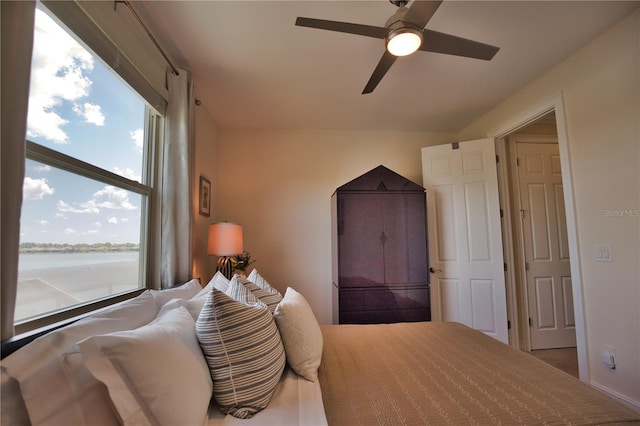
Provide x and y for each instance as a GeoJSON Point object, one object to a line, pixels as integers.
{"type": "Point", "coordinates": [381, 179]}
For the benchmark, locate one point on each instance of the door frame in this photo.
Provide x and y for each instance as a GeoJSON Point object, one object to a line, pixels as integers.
{"type": "Point", "coordinates": [554, 103]}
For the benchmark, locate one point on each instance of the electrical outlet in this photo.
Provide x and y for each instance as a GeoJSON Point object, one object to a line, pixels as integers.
{"type": "Point", "coordinates": [609, 356]}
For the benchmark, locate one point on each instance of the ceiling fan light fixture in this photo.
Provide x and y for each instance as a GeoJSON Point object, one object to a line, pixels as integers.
{"type": "Point", "coordinates": [404, 41]}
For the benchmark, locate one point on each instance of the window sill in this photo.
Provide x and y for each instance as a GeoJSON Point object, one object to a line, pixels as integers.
{"type": "Point", "coordinates": [28, 331]}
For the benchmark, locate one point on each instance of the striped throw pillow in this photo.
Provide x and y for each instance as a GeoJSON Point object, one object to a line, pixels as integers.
{"type": "Point", "coordinates": [243, 350]}
{"type": "Point", "coordinates": [271, 297]}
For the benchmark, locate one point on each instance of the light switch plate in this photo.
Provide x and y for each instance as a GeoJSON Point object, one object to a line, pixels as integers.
{"type": "Point", "coordinates": [609, 356]}
{"type": "Point", "coordinates": [603, 253]}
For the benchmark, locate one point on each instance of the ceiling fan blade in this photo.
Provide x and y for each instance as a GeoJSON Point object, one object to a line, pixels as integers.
{"type": "Point", "coordinates": [434, 41]}
{"type": "Point", "coordinates": [343, 27]}
{"type": "Point", "coordinates": [421, 11]}
{"type": "Point", "coordinates": [383, 66]}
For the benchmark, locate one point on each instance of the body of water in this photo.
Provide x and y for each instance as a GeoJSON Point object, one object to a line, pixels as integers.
{"type": "Point", "coordinates": [50, 282]}
{"type": "Point", "coordinates": [32, 261]}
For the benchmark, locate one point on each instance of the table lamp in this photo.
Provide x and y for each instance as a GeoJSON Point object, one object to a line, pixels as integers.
{"type": "Point", "coordinates": [225, 240]}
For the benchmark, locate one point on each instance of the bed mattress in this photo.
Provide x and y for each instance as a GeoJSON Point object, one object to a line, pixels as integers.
{"type": "Point", "coordinates": [447, 373]}
{"type": "Point", "coordinates": [296, 402]}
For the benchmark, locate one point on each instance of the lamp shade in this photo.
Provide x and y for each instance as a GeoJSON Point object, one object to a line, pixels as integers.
{"type": "Point", "coordinates": [225, 239]}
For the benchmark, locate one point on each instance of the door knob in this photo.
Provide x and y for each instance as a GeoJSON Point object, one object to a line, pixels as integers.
{"type": "Point", "coordinates": [433, 271]}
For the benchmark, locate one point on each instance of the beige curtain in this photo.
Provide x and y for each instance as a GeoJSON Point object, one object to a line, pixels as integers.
{"type": "Point", "coordinates": [176, 192]}
{"type": "Point", "coordinates": [16, 44]}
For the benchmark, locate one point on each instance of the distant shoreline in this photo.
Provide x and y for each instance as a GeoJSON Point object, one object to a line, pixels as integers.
{"type": "Point", "coordinates": [43, 248]}
{"type": "Point", "coordinates": [74, 251]}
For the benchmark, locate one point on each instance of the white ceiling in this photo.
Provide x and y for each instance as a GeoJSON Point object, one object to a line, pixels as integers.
{"type": "Point", "coordinates": [254, 68]}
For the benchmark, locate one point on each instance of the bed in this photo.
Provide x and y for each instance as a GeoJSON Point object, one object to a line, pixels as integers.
{"type": "Point", "coordinates": [156, 359]}
{"type": "Point", "coordinates": [448, 373]}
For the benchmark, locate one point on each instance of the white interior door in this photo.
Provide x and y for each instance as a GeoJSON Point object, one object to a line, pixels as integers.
{"type": "Point", "coordinates": [465, 245]}
{"type": "Point", "coordinates": [546, 248]}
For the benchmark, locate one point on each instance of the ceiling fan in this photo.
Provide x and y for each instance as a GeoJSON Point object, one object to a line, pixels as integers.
{"type": "Point", "coordinates": [404, 33]}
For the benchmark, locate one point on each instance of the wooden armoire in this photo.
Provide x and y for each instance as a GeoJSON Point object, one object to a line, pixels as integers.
{"type": "Point", "coordinates": [379, 250]}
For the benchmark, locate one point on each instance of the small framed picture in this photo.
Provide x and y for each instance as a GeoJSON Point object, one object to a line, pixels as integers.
{"type": "Point", "coordinates": [205, 196]}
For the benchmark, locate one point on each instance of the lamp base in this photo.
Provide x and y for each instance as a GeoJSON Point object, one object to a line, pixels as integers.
{"type": "Point", "coordinates": [225, 265]}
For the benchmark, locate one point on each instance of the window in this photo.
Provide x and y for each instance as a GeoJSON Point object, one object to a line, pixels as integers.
{"type": "Point", "coordinates": [87, 186]}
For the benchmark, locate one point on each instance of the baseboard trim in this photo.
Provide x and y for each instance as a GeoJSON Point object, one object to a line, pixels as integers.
{"type": "Point", "coordinates": [634, 405]}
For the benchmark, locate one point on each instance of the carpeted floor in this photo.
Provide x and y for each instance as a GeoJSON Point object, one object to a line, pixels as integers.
{"type": "Point", "coordinates": [566, 359]}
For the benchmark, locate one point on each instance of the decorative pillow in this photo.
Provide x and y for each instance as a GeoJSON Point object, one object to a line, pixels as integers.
{"type": "Point", "coordinates": [155, 374]}
{"type": "Point", "coordinates": [301, 334]}
{"type": "Point", "coordinates": [47, 389]}
{"type": "Point", "coordinates": [258, 280]}
{"type": "Point", "coordinates": [271, 298]}
{"type": "Point", "coordinates": [218, 281]}
{"type": "Point", "coordinates": [242, 346]}
{"type": "Point", "coordinates": [185, 291]}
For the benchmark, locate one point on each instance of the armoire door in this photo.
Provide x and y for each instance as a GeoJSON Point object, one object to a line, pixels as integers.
{"type": "Point", "coordinates": [405, 246]}
{"type": "Point", "coordinates": [382, 239]}
{"type": "Point", "coordinates": [360, 226]}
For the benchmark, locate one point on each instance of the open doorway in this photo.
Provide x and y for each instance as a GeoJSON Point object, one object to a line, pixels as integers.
{"type": "Point", "coordinates": [538, 268]}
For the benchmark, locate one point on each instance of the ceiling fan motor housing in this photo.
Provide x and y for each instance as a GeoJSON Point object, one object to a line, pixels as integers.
{"type": "Point", "coordinates": [397, 25]}
{"type": "Point", "coordinates": [395, 21]}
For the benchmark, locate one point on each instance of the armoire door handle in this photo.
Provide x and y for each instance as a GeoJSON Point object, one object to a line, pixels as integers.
{"type": "Point", "coordinates": [433, 270]}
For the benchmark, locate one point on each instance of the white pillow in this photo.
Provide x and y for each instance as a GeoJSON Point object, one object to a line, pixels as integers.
{"type": "Point", "coordinates": [193, 305]}
{"type": "Point", "coordinates": [48, 391]}
{"type": "Point", "coordinates": [258, 280]}
{"type": "Point", "coordinates": [12, 408]}
{"type": "Point", "coordinates": [155, 374]}
{"type": "Point", "coordinates": [243, 349]}
{"type": "Point", "coordinates": [185, 291]}
{"type": "Point", "coordinates": [90, 395]}
{"type": "Point", "coordinates": [301, 334]}
{"type": "Point", "coordinates": [218, 281]}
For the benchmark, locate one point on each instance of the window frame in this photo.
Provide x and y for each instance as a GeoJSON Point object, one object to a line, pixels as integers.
{"type": "Point", "coordinates": [71, 18]}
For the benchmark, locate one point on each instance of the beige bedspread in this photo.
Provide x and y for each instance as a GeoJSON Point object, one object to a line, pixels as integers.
{"type": "Point", "coordinates": [447, 373]}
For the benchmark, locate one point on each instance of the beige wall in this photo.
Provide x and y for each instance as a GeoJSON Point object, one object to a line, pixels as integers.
{"type": "Point", "coordinates": [206, 142]}
{"type": "Point", "coordinates": [601, 89]}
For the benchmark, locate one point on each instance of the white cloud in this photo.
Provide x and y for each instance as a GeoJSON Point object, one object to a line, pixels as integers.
{"type": "Point", "coordinates": [97, 224]}
{"type": "Point", "coordinates": [35, 189]}
{"type": "Point", "coordinates": [109, 197]}
{"type": "Point", "coordinates": [128, 173]}
{"type": "Point", "coordinates": [69, 231]}
{"type": "Point", "coordinates": [43, 222]}
{"type": "Point", "coordinates": [113, 198]}
{"type": "Point", "coordinates": [88, 207]}
{"type": "Point", "coordinates": [113, 220]}
{"type": "Point", "coordinates": [90, 112]}
{"type": "Point", "coordinates": [43, 168]}
{"type": "Point", "coordinates": [137, 136]}
{"type": "Point", "coordinates": [57, 75]}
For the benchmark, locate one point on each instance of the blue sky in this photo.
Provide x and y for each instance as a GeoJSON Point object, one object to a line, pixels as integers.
{"type": "Point", "coordinates": [79, 107]}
